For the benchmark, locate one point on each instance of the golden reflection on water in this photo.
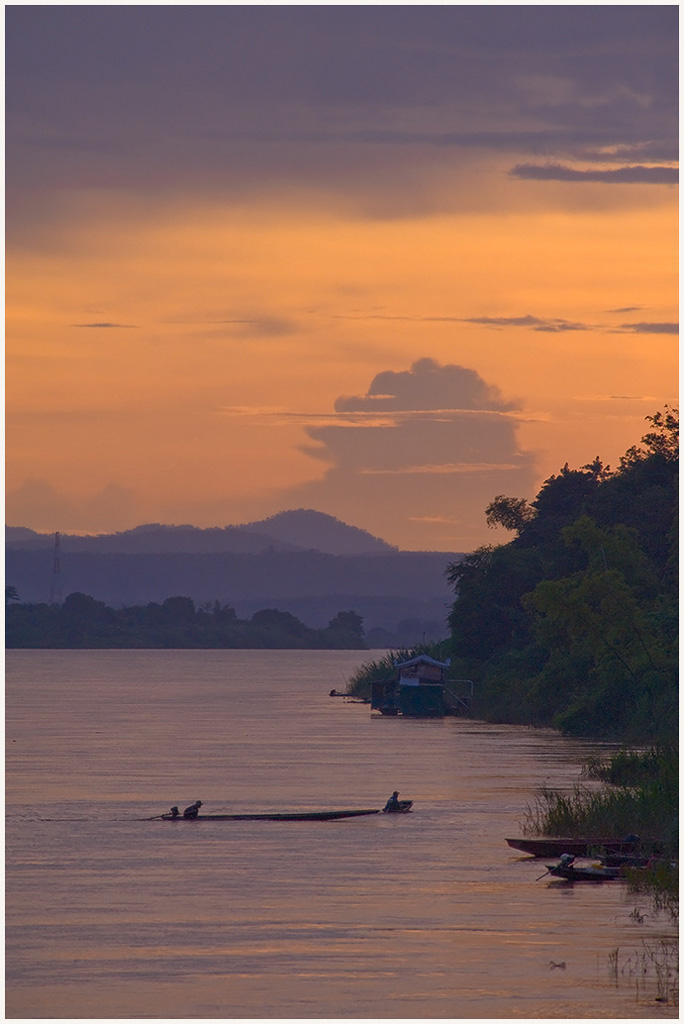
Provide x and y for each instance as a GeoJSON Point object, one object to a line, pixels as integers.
{"type": "Point", "coordinates": [430, 915]}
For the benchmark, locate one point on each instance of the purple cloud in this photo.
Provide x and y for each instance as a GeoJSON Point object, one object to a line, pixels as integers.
{"type": "Point", "coordinates": [651, 328]}
{"type": "Point", "coordinates": [634, 175]}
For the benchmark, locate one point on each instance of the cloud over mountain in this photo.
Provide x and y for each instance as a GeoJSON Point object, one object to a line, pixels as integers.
{"type": "Point", "coordinates": [435, 440]}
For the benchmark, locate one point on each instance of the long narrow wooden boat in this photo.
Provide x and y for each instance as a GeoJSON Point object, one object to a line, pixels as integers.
{"type": "Point", "coordinates": [273, 816]}
{"type": "Point", "coordinates": [577, 847]}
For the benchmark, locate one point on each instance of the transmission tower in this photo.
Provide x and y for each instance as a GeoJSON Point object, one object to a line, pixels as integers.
{"type": "Point", "coordinates": [56, 585]}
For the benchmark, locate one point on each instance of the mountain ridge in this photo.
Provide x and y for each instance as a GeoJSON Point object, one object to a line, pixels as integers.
{"type": "Point", "coordinates": [289, 530]}
{"type": "Point", "coordinates": [249, 567]}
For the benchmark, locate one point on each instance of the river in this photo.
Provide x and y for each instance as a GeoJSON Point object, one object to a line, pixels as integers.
{"type": "Point", "coordinates": [423, 915]}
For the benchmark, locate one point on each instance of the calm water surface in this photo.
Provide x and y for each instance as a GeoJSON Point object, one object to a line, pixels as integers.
{"type": "Point", "coordinates": [424, 915]}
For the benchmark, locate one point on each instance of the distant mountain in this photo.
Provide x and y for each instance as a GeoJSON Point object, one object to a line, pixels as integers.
{"type": "Point", "coordinates": [21, 537]}
{"type": "Point", "coordinates": [316, 531]}
{"type": "Point", "coordinates": [295, 530]}
{"type": "Point", "coordinates": [151, 539]}
{"type": "Point", "coordinates": [300, 561]}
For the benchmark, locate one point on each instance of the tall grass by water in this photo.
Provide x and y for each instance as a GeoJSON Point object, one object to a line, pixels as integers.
{"type": "Point", "coordinates": [641, 798]}
{"type": "Point", "coordinates": [604, 813]}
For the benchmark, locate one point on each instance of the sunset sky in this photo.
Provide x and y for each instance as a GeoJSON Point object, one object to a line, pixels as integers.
{"type": "Point", "coordinates": [384, 262]}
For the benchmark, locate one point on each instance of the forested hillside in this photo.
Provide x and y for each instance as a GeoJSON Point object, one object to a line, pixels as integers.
{"type": "Point", "coordinates": [574, 623]}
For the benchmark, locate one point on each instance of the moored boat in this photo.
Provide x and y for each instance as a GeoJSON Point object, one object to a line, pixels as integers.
{"type": "Point", "coordinates": [571, 872]}
{"type": "Point", "coordinates": [554, 847]}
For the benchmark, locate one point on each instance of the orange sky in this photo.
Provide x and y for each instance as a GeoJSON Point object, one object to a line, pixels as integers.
{"type": "Point", "coordinates": [182, 354]}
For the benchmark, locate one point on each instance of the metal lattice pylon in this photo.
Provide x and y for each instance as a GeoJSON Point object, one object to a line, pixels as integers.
{"type": "Point", "coordinates": [56, 585]}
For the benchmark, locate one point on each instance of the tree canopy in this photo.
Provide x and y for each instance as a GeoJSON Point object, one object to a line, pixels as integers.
{"type": "Point", "coordinates": [573, 623]}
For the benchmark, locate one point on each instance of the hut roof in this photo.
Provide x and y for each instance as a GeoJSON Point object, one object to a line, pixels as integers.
{"type": "Point", "coordinates": [422, 659]}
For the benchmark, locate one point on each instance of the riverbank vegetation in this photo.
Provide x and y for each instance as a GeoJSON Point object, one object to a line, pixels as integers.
{"type": "Point", "coordinates": [574, 623]}
{"type": "Point", "coordinates": [640, 797]}
{"type": "Point", "coordinates": [643, 802]}
{"type": "Point", "coordinates": [82, 622]}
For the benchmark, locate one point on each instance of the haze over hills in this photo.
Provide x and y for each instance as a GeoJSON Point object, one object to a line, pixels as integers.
{"type": "Point", "coordinates": [301, 561]}
{"type": "Point", "coordinates": [293, 530]}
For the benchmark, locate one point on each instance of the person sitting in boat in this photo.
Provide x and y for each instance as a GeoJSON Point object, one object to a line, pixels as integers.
{"type": "Point", "coordinates": [175, 813]}
{"type": "Point", "coordinates": [393, 802]}
{"type": "Point", "coordinates": [193, 810]}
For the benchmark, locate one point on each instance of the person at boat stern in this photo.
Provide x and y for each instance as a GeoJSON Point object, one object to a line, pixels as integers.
{"type": "Point", "coordinates": [193, 810]}
{"type": "Point", "coordinates": [393, 802]}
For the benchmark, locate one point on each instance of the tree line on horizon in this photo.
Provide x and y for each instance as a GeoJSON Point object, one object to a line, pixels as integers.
{"type": "Point", "coordinates": [80, 621]}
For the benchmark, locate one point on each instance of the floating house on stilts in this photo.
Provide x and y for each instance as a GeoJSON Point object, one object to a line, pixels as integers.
{"type": "Point", "coordinates": [419, 690]}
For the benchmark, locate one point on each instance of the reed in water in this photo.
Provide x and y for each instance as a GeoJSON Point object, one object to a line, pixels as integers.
{"type": "Point", "coordinates": [641, 797]}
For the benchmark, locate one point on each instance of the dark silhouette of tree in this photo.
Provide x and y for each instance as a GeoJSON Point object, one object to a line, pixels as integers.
{"type": "Point", "coordinates": [574, 623]}
{"type": "Point", "coordinates": [663, 440]}
{"type": "Point", "coordinates": [511, 513]}
{"type": "Point", "coordinates": [348, 622]}
{"type": "Point", "coordinates": [179, 610]}
{"type": "Point", "coordinates": [597, 469]}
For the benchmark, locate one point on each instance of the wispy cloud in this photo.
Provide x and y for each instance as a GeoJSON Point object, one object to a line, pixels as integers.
{"type": "Point", "coordinates": [370, 417]}
{"type": "Point", "coordinates": [554, 325]}
{"type": "Point", "coordinates": [244, 326]}
{"type": "Point", "coordinates": [257, 326]}
{"type": "Point", "coordinates": [543, 324]}
{"type": "Point", "coordinates": [412, 319]}
{"type": "Point", "coordinates": [615, 398]}
{"type": "Point", "coordinates": [105, 325]}
{"type": "Point", "coordinates": [631, 175]}
{"type": "Point", "coordinates": [444, 468]}
{"type": "Point", "coordinates": [644, 327]}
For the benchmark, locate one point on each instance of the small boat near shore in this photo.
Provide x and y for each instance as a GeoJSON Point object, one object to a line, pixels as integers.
{"type": "Point", "coordinates": [555, 847]}
{"type": "Point", "coordinates": [569, 871]}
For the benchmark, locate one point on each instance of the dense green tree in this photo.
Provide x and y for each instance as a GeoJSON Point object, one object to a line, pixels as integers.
{"type": "Point", "coordinates": [574, 622]}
